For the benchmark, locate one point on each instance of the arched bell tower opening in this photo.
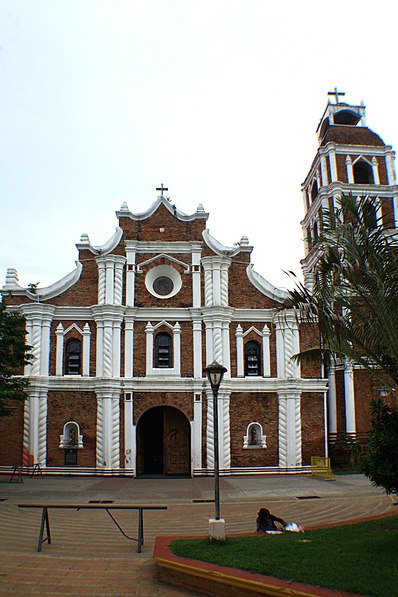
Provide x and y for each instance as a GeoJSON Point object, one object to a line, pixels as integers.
{"type": "Point", "coordinates": [163, 443]}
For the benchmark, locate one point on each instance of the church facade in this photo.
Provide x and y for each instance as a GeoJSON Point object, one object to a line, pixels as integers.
{"type": "Point", "coordinates": [120, 344]}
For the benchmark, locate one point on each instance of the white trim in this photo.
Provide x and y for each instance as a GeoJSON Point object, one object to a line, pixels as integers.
{"type": "Point", "coordinates": [200, 214]}
{"type": "Point", "coordinates": [265, 287]}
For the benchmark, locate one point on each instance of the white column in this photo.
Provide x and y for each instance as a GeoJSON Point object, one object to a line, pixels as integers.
{"type": "Point", "coordinates": [324, 171]}
{"type": "Point", "coordinates": [266, 352]}
{"type": "Point", "coordinates": [216, 283]}
{"type": "Point", "coordinates": [29, 335]}
{"type": "Point", "coordinates": [196, 286]}
{"type": "Point", "coordinates": [130, 278]}
{"type": "Point", "coordinates": [177, 348]}
{"type": "Point", "coordinates": [196, 432]}
{"type": "Point", "coordinates": [240, 370]}
{"type": "Point", "coordinates": [349, 397]}
{"type": "Point", "coordinates": [390, 168]}
{"type": "Point", "coordinates": [107, 408]}
{"type": "Point", "coordinates": [224, 282]}
{"type": "Point", "coordinates": [59, 332]}
{"type": "Point", "coordinates": [100, 349]}
{"type": "Point", "coordinates": [289, 430]}
{"type": "Point", "coordinates": [209, 342]}
{"type": "Point", "coordinates": [217, 341]}
{"type": "Point", "coordinates": [86, 350]}
{"type": "Point", "coordinates": [350, 171]}
{"type": "Point", "coordinates": [207, 267]}
{"type": "Point", "coordinates": [280, 351]}
{"type": "Point", "coordinates": [197, 348]}
{"type": "Point", "coordinates": [36, 347]}
{"type": "Point", "coordinates": [332, 404]}
{"type": "Point", "coordinates": [129, 435]}
{"type": "Point", "coordinates": [149, 347]}
{"type": "Point", "coordinates": [118, 289]}
{"type": "Point", "coordinates": [108, 348]}
{"type": "Point", "coordinates": [108, 431]}
{"type": "Point", "coordinates": [35, 427]}
{"type": "Point", "coordinates": [128, 348]}
{"type": "Point", "coordinates": [45, 346]}
{"type": "Point", "coordinates": [375, 169]}
{"type": "Point", "coordinates": [333, 165]}
{"type": "Point", "coordinates": [226, 350]}
{"type": "Point", "coordinates": [224, 430]}
{"type": "Point", "coordinates": [109, 289]}
{"type": "Point", "coordinates": [116, 348]}
{"type": "Point", "coordinates": [101, 281]}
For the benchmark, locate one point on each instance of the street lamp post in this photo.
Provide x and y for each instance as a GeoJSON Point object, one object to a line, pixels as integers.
{"type": "Point", "coordinates": [215, 373]}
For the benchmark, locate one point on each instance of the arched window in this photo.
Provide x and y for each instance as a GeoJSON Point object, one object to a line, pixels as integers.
{"type": "Point", "coordinates": [163, 351]}
{"type": "Point", "coordinates": [252, 359]}
{"type": "Point", "coordinates": [73, 359]}
{"type": "Point", "coordinates": [363, 173]}
{"type": "Point", "coordinates": [314, 190]}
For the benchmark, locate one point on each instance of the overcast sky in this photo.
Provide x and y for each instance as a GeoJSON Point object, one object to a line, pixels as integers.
{"type": "Point", "coordinates": [101, 101]}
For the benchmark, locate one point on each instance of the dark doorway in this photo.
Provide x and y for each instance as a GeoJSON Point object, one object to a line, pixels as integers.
{"type": "Point", "coordinates": [70, 457]}
{"type": "Point", "coordinates": [163, 443]}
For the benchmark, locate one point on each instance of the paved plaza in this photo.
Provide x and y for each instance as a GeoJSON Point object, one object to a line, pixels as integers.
{"type": "Point", "coordinates": [90, 556]}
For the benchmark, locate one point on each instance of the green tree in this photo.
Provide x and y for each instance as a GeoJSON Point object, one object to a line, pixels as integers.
{"type": "Point", "coordinates": [381, 463]}
{"type": "Point", "coordinates": [355, 289]}
{"type": "Point", "coordinates": [14, 354]}
{"type": "Point", "coordinates": [354, 302]}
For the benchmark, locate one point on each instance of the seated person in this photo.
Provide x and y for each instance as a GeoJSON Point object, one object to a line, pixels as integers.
{"type": "Point", "coordinates": [266, 521]}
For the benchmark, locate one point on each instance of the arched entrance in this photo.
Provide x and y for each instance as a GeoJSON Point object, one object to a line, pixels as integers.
{"type": "Point", "coordinates": [163, 442]}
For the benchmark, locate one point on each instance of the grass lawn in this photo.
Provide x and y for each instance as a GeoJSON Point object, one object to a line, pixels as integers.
{"type": "Point", "coordinates": [359, 558]}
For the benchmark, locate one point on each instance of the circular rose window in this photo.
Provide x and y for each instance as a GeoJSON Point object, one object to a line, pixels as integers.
{"type": "Point", "coordinates": [163, 281]}
{"type": "Point", "coordinates": [163, 285]}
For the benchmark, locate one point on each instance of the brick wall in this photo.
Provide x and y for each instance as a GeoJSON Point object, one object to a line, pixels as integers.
{"type": "Point", "coordinates": [247, 408]}
{"type": "Point", "coordinates": [312, 426]}
{"type": "Point", "coordinates": [64, 406]}
{"type": "Point", "coordinates": [11, 433]}
{"type": "Point", "coordinates": [143, 401]}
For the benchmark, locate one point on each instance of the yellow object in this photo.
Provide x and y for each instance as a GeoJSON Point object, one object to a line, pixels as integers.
{"type": "Point", "coordinates": [320, 467]}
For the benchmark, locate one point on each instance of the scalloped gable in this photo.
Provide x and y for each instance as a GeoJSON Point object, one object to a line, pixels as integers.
{"type": "Point", "coordinates": [265, 287]}
{"type": "Point", "coordinates": [48, 292]}
{"type": "Point", "coordinates": [220, 249]}
{"type": "Point", "coordinates": [200, 213]}
{"type": "Point", "coordinates": [108, 247]}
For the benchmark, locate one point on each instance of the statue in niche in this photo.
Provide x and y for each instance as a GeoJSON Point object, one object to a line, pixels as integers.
{"type": "Point", "coordinates": [253, 436]}
{"type": "Point", "coordinates": [72, 436]}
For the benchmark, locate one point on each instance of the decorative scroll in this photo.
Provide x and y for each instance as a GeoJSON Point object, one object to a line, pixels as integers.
{"type": "Point", "coordinates": [210, 432]}
{"type": "Point", "coordinates": [217, 346]}
{"type": "Point", "coordinates": [297, 429]}
{"type": "Point", "coordinates": [26, 432]}
{"type": "Point", "coordinates": [100, 434]}
{"type": "Point", "coordinates": [36, 345]}
{"type": "Point", "coordinates": [226, 455]}
{"type": "Point", "coordinates": [224, 287]}
{"type": "Point", "coordinates": [101, 283]}
{"type": "Point", "coordinates": [282, 433]}
{"type": "Point", "coordinates": [118, 284]}
{"type": "Point", "coordinates": [42, 429]}
{"type": "Point", "coordinates": [107, 351]}
{"type": "Point", "coordinates": [289, 365]}
{"type": "Point", "coordinates": [115, 434]}
{"type": "Point", "coordinates": [208, 288]}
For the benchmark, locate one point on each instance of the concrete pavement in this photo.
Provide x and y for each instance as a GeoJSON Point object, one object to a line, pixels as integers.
{"type": "Point", "coordinates": [89, 555]}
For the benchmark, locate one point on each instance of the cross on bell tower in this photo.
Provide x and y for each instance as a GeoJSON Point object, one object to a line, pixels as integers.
{"type": "Point", "coordinates": [336, 94]}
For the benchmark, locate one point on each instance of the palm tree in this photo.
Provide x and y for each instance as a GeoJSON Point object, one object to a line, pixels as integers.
{"type": "Point", "coordinates": [354, 298]}
{"type": "Point", "coordinates": [354, 302]}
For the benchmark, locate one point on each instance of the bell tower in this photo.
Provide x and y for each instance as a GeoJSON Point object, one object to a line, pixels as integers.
{"type": "Point", "coordinates": [351, 160]}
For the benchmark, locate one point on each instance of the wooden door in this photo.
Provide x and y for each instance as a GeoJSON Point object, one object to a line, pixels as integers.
{"type": "Point", "coordinates": [177, 443]}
